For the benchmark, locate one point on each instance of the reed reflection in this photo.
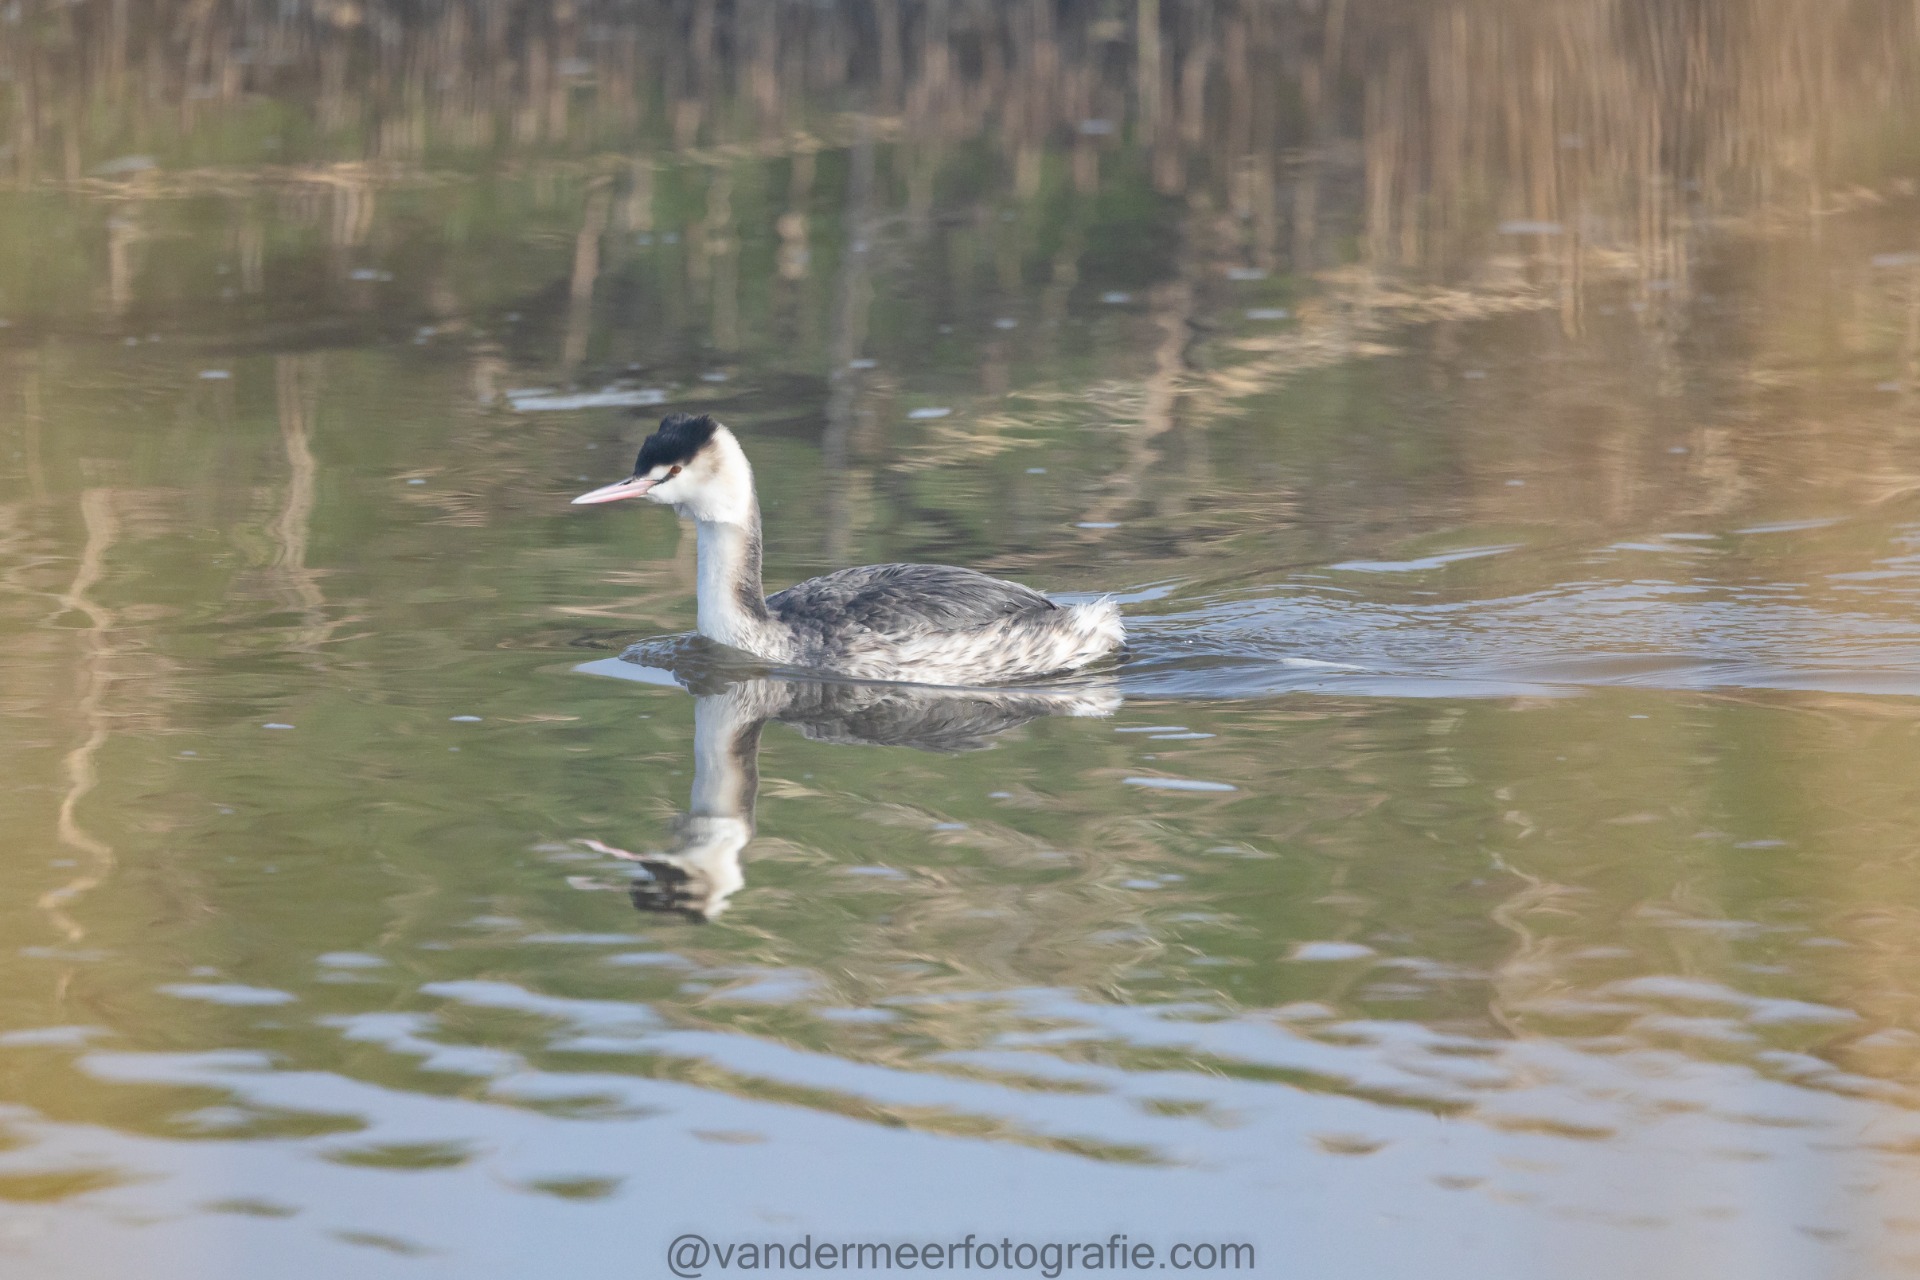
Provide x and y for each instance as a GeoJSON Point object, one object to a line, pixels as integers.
{"type": "Point", "coordinates": [1161, 214]}
{"type": "Point", "coordinates": [698, 873]}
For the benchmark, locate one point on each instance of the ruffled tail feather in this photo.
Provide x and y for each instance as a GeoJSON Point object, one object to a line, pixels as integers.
{"type": "Point", "coordinates": [1099, 623]}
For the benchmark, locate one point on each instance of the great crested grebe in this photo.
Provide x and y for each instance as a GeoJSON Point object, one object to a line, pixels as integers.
{"type": "Point", "coordinates": [923, 623]}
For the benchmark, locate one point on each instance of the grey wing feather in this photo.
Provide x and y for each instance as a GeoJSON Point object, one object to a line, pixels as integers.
{"type": "Point", "coordinates": [904, 599]}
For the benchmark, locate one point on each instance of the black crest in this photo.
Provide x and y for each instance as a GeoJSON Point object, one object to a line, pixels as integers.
{"type": "Point", "coordinates": [681, 435]}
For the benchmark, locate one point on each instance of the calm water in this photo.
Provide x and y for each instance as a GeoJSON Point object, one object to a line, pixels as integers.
{"type": "Point", "coordinates": [1495, 855]}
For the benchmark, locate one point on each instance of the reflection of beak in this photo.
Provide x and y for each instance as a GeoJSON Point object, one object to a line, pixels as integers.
{"type": "Point", "coordinates": [631, 487]}
{"type": "Point", "coordinates": [598, 847]}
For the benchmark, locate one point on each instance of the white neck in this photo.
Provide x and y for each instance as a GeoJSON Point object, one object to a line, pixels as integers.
{"type": "Point", "coordinates": [717, 494]}
{"type": "Point", "coordinates": [731, 609]}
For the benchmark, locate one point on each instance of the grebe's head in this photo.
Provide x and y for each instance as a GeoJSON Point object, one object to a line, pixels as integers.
{"type": "Point", "coordinates": [692, 464]}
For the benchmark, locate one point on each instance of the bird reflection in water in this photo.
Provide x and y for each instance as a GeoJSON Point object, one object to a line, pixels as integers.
{"type": "Point", "coordinates": [699, 872]}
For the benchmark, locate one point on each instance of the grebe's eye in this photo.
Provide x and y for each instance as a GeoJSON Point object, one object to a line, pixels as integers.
{"type": "Point", "coordinates": [672, 472]}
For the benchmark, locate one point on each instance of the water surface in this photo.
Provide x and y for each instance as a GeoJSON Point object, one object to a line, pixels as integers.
{"type": "Point", "coordinates": [1494, 855]}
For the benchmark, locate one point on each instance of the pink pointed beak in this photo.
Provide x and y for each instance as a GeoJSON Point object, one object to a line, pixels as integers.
{"type": "Point", "coordinates": [631, 487]}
